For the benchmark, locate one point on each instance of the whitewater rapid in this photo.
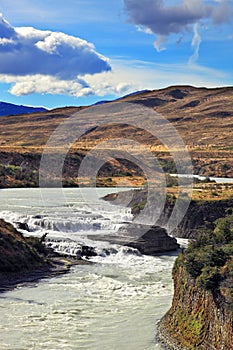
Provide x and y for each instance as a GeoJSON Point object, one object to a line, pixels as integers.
{"type": "Point", "coordinates": [112, 304]}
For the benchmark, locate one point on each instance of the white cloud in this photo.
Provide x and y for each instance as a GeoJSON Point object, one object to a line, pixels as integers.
{"type": "Point", "coordinates": [125, 77]}
{"type": "Point", "coordinates": [44, 84]}
{"type": "Point", "coordinates": [29, 56]}
{"type": "Point", "coordinates": [130, 76]}
{"type": "Point", "coordinates": [196, 42]}
{"type": "Point", "coordinates": [37, 61]}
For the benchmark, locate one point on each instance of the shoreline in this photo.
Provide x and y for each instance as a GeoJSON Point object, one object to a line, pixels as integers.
{"type": "Point", "coordinates": [165, 339]}
{"type": "Point", "coordinates": [58, 265]}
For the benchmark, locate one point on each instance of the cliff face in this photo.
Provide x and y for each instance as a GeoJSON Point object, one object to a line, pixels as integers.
{"type": "Point", "coordinates": [201, 316]}
{"type": "Point", "coordinates": [198, 319]}
{"type": "Point", "coordinates": [199, 214]}
{"type": "Point", "coordinates": [148, 240]}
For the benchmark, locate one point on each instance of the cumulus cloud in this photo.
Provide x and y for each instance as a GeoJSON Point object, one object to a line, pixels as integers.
{"type": "Point", "coordinates": [164, 20]}
{"type": "Point", "coordinates": [29, 56]}
{"type": "Point", "coordinates": [98, 84]}
{"type": "Point", "coordinates": [42, 84]}
{"type": "Point", "coordinates": [125, 77]}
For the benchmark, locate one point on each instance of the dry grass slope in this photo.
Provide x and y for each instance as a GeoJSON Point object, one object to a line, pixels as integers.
{"type": "Point", "coordinates": [203, 117]}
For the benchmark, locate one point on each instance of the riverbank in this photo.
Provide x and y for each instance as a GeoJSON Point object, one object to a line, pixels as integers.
{"type": "Point", "coordinates": [166, 341]}
{"type": "Point", "coordinates": [201, 314]}
{"type": "Point", "coordinates": [59, 266]}
{"type": "Point", "coordinates": [27, 260]}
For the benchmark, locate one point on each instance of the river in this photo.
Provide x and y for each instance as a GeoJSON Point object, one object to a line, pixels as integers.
{"type": "Point", "coordinates": [110, 305]}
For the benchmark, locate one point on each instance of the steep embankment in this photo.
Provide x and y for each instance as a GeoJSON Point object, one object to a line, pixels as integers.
{"type": "Point", "coordinates": [201, 316]}
{"type": "Point", "coordinates": [200, 214]}
{"type": "Point", "coordinates": [16, 253]}
{"type": "Point", "coordinates": [28, 259]}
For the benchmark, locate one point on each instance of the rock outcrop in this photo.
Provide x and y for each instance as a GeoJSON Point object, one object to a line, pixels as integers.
{"type": "Point", "coordinates": [198, 319]}
{"type": "Point", "coordinates": [201, 316]}
{"type": "Point", "coordinates": [148, 240]}
{"type": "Point", "coordinates": [200, 214]}
{"type": "Point", "coordinates": [16, 253]}
{"type": "Point", "coordinates": [154, 240]}
{"type": "Point", "coordinates": [24, 260]}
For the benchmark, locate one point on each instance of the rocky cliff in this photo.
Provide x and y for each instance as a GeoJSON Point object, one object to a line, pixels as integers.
{"type": "Point", "coordinates": [201, 316]}
{"type": "Point", "coordinates": [200, 214]}
{"type": "Point", "coordinates": [198, 319]}
{"type": "Point", "coordinates": [149, 240]}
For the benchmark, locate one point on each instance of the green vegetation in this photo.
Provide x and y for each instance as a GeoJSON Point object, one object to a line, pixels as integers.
{"type": "Point", "coordinates": [168, 165]}
{"type": "Point", "coordinates": [16, 176]}
{"type": "Point", "coordinates": [192, 323]}
{"type": "Point", "coordinates": [203, 299]}
{"type": "Point", "coordinates": [209, 257]}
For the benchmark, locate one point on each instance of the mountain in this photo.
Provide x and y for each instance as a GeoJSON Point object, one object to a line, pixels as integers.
{"type": "Point", "coordinates": [203, 117]}
{"type": "Point", "coordinates": [11, 109]}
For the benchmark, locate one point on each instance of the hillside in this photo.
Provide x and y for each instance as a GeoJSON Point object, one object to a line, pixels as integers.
{"type": "Point", "coordinates": [11, 109]}
{"type": "Point", "coordinates": [203, 117]}
{"type": "Point", "coordinates": [201, 316]}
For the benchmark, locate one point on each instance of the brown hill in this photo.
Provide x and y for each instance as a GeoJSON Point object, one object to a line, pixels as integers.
{"type": "Point", "coordinates": [203, 117]}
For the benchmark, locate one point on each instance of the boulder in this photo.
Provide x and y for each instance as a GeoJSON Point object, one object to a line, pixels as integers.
{"type": "Point", "coordinates": [147, 239]}
{"type": "Point", "coordinates": [23, 226]}
{"type": "Point", "coordinates": [154, 240]}
{"type": "Point", "coordinates": [88, 251]}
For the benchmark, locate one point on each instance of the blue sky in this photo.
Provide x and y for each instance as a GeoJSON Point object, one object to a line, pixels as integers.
{"type": "Point", "coordinates": [76, 52]}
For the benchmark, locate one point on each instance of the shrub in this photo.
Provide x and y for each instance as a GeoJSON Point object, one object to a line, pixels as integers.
{"type": "Point", "coordinates": [209, 278]}
{"type": "Point", "coordinates": [205, 256]}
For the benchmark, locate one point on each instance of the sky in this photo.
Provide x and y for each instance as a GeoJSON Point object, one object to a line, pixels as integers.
{"type": "Point", "coordinates": [57, 53]}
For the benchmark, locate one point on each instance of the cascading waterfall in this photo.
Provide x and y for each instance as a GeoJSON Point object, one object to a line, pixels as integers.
{"type": "Point", "coordinates": [68, 226]}
{"type": "Point", "coordinates": [111, 304]}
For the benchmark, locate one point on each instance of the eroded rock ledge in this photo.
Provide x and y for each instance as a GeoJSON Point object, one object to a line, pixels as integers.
{"type": "Point", "coordinates": [199, 214]}
{"type": "Point", "coordinates": [148, 240]}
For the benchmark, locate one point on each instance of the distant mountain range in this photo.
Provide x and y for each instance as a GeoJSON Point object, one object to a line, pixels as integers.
{"type": "Point", "coordinates": [7, 109]}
